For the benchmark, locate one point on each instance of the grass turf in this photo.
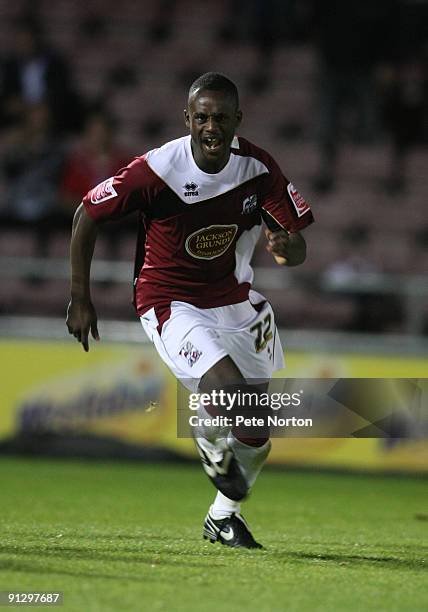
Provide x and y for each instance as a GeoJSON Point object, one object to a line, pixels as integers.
{"type": "Point", "coordinates": [121, 536]}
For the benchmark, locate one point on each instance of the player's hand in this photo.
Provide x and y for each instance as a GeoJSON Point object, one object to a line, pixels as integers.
{"type": "Point", "coordinates": [278, 245]}
{"type": "Point", "coordinates": [287, 248]}
{"type": "Point", "coordinates": [82, 318]}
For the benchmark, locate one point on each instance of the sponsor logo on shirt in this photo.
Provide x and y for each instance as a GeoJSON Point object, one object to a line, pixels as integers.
{"type": "Point", "coordinates": [210, 242]}
{"type": "Point", "coordinates": [190, 354]}
{"type": "Point", "coordinates": [299, 201]}
{"type": "Point", "coordinates": [104, 191]}
{"type": "Point", "coordinates": [249, 204]}
{"type": "Point", "coordinates": [191, 189]}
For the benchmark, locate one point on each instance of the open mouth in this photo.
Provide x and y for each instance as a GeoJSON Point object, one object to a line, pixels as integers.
{"type": "Point", "coordinates": [212, 143]}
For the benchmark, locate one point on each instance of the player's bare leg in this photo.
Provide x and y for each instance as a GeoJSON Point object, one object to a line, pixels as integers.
{"type": "Point", "coordinates": [232, 459]}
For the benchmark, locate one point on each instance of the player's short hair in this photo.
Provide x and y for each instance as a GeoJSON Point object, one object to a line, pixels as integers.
{"type": "Point", "coordinates": [215, 81]}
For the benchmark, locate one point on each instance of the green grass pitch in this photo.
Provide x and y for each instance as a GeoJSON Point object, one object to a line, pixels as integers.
{"type": "Point", "coordinates": [127, 536]}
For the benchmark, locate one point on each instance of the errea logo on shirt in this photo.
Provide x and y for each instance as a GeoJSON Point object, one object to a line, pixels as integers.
{"type": "Point", "coordinates": [191, 189]}
{"type": "Point", "coordinates": [104, 191]}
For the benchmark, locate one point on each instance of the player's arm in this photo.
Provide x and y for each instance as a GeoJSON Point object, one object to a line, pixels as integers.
{"type": "Point", "coordinates": [288, 248]}
{"type": "Point", "coordinates": [131, 189]}
{"type": "Point", "coordinates": [114, 198]}
{"type": "Point", "coordinates": [286, 214]}
{"type": "Point", "coordinates": [81, 314]}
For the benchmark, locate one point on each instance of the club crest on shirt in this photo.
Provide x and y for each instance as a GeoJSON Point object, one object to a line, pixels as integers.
{"type": "Point", "coordinates": [190, 189]}
{"type": "Point", "coordinates": [190, 354]}
{"type": "Point", "coordinates": [298, 200]}
{"type": "Point", "coordinates": [210, 242]}
{"type": "Point", "coordinates": [104, 191]}
{"type": "Point", "coordinates": [249, 205]}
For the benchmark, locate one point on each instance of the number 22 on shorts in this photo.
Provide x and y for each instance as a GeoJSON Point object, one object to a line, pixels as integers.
{"type": "Point", "coordinates": [263, 333]}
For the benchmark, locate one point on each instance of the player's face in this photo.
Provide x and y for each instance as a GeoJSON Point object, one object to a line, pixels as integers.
{"type": "Point", "coordinates": [212, 118]}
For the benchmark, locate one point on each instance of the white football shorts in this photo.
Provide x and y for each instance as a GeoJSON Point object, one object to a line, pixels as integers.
{"type": "Point", "coordinates": [194, 339]}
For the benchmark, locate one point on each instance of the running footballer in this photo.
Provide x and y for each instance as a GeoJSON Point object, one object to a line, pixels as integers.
{"type": "Point", "coordinates": [201, 201]}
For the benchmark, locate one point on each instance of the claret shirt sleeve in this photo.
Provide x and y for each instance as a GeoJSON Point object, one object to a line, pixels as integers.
{"type": "Point", "coordinates": [132, 188]}
{"type": "Point", "coordinates": [282, 204]}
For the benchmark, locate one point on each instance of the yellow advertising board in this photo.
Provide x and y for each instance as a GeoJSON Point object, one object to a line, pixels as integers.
{"type": "Point", "coordinates": [125, 392]}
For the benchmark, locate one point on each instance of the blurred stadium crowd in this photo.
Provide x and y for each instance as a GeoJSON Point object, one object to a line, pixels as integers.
{"type": "Point", "coordinates": [336, 91]}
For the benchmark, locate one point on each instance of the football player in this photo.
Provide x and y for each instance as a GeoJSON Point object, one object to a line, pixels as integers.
{"type": "Point", "coordinates": [201, 201]}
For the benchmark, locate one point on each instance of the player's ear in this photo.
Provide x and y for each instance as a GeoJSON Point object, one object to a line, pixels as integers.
{"type": "Point", "coordinates": [238, 117]}
{"type": "Point", "coordinates": [186, 118]}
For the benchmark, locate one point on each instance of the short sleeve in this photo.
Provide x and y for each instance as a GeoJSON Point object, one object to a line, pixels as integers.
{"type": "Point", "coordinates": [283, 203]}
{"type": "Point", "coordinates": [131, 189]}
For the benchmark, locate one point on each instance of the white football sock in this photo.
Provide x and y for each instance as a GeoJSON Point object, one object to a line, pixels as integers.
{"type": "Point", "coordinates": [214, 450]}
{"type": "Point", "coordinates": [211, 433]}
{"type": "Point", "coordinates": [223, 507]}
{"type": "Point", "coordinates": [249, 458]}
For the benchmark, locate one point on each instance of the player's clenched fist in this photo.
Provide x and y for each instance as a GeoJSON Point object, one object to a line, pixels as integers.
{"type": "Point", "coordinates": [277, 245]}
{"type": "Point", "coordinates": [82, 318]}
{"type": "Point", "coordinates": [287, 248]}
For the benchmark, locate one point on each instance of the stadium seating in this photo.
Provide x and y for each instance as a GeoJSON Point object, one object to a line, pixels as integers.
{"type": "Point", "coordinates": [99, 40]}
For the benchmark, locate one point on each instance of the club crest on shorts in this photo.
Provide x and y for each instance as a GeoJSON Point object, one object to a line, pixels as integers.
{"type": "Point", "coordinates": [249, 205]}
{"type": "Point", "coordinates": [190, 354]}
{"type": "Point", "coordinates": [104, 191]}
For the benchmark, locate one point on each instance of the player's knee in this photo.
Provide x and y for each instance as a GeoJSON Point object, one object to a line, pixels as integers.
{"type": "Point", "coordinates": [224, 373]}
{"type": "Point", "coordinates": [247, 415]}
{"type": "Point", "coordinates": [243, 437]}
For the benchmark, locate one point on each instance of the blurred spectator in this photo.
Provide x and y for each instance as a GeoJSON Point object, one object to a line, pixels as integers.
{"type": "Point", "coordinates": [354, 259]}
{"type": "Point", "coordinates": [35, 73]}
{"type": "Point", "coordinates": [421, 253]}
{"type": "Point", "coordinates": [31, 167]}
{"type": "Point", "coordinates": [404, 89]}
{"type": "Point", "coordinates": [374, 312]}
{"type": "Point", "coordinates": [265, 24]}
{"type": "Point", "coordinates": [405, 92]}
{"type": "Point", "coordinates": [352, 38]}
{"type": "Point", "coordinates": [162, 24]}
{"type": "Point", "coordinates": [95, 157]}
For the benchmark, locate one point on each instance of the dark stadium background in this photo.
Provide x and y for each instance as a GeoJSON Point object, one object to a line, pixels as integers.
{"type": "Point", "coordinates": [318, 82]}
{"type": "Point", "coordinates": [337, 92]}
